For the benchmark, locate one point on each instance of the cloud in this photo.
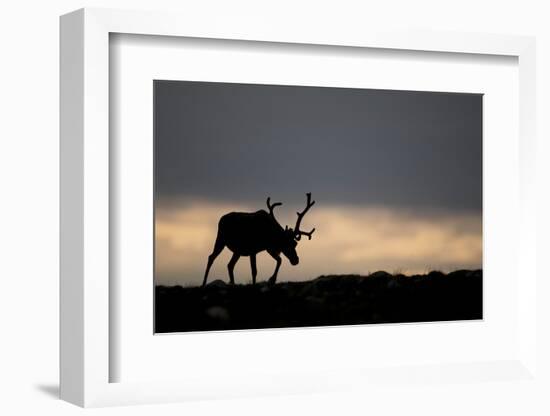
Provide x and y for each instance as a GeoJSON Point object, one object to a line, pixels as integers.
{"type": "Point", "coordinates": [348, 239]}
{"type": "Point", "coordinates": [401, 149]}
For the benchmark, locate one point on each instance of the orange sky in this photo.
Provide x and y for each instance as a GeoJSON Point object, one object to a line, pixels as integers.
{"type": "Point", "coordinates": [348, 239]}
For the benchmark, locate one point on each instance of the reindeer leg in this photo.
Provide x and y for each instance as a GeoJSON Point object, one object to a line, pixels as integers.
{"type": "Point", "coordinates": [218, 247]}
{"type": "Point", "coordinates": [253, 267]}
{"type": "Point", "coordinates": [277, 258]}
{"type": "Point", "coordinates": [231, 266]}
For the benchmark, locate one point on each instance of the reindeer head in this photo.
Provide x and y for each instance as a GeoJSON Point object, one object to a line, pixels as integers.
{"type": "Point", "coordinates": [290, 237]}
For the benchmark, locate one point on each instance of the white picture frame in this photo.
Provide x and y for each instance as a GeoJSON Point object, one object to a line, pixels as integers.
{"type": "Point", "coordinates": [85, 165]}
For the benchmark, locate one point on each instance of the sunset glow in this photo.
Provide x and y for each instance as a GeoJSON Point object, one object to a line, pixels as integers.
{"type": "Point", "coordinates": [347, 240]}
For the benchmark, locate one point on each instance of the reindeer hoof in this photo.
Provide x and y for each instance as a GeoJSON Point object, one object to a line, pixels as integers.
{"type": "Point", "coordinates": [272, 280]}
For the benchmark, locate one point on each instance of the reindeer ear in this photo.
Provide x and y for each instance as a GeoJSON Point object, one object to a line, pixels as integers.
{"type": "Point", "coordinates": [286, 227]}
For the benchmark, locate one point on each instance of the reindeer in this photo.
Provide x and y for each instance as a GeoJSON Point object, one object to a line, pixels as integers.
{"type": "Point", "coordinates": [248, 233]}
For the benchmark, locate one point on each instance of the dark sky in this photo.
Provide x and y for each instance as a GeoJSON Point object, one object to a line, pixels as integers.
{"type": "Point", "coordinates": [241, 142]}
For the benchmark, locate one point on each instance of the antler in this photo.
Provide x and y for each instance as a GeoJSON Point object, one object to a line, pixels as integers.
{"type": "Point", "coordinates": [298, 233]}
{"type": "Point", "coordinates": [272, 206]}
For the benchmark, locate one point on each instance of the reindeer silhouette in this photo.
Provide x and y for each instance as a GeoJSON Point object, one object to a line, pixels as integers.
{"type": "Point", "coordinates": [248, 233]}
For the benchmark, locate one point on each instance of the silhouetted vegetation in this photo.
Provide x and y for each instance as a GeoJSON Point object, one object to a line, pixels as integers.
{"type": "Point", "coordinates": [327, 300]}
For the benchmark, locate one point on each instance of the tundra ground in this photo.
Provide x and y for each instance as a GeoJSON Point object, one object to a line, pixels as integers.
{"type": "Point", "coordinates": [327, 300]}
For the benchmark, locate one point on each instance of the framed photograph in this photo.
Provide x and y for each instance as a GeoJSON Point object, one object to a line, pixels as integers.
{"type": "Point", "coordinates": [397, 186]}
{"type": "Point", "coordinates": [273, 211]}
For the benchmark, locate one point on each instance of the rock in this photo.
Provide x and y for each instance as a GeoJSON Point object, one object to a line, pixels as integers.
{"type": "Point", "coordinates": [380, 274]}
{"type": "Point", "coordinates": [393, 283]}
{"type": "Point", "coordinates": [217, 283]}
{"type": "Point", "coordinates": [218, 313]}
{"type": "Point", "coordinates": [265, 287]}
{"type": "Point", "coordinates": [315, 300]}
{"type": "Point", "coordinates": [474, 273]}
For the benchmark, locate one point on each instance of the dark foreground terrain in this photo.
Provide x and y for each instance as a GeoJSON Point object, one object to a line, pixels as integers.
{"type": "Point", "coordinates": [327, 300]}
